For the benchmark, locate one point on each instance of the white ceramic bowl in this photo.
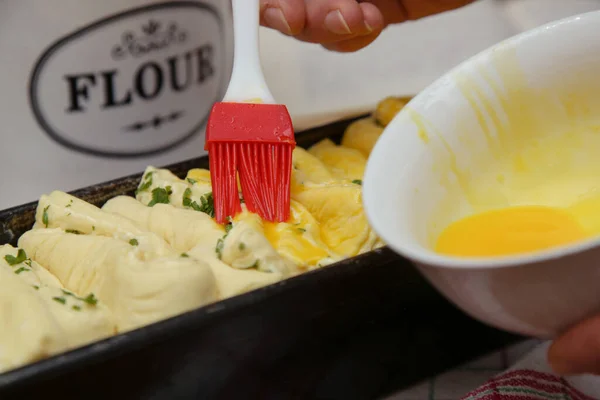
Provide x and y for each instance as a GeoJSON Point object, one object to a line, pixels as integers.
{"type": "Point", "coordinates": [545, 81]}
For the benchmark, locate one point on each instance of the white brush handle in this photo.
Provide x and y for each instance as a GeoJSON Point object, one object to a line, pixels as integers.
{"type": "Point", "coordinates": [247, 82]}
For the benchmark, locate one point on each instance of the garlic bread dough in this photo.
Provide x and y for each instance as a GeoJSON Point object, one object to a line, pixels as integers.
{"type": "Point", "coordinates": [181, 228]}
{"type": "Point", "coordinates": [137, 289]}
{"type": "Point", "coordinates": [39, 317]}
{"type": "Point", "coordinates": [83, 273]}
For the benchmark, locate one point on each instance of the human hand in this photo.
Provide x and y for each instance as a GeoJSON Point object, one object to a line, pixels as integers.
{"type": "Point", "coordinates": [578, 350]}
{"type": "Point", "coordinates": [345, 25]}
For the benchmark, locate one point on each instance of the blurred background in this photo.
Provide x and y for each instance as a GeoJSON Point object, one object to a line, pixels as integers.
{"type": "Point", "coordinates": [317, 85]}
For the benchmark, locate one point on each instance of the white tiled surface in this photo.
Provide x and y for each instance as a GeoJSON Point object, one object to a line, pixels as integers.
{"type": "Point", "coordinates": [456, 383]}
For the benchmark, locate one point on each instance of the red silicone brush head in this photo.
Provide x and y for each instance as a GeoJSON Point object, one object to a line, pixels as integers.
{"type": "Point", "coordinates": [256, 141]}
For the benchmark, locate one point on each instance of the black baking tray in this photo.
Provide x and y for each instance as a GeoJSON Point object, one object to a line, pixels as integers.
{"type": "Point", "coordinates": [362, 328]}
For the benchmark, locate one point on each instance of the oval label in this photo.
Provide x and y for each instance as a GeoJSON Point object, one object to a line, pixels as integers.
{"type": "Point", "coordinates": [132, 84]}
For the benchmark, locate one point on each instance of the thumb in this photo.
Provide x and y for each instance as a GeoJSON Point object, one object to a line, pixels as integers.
{"type": "Point", "coordinates": [578, 350]}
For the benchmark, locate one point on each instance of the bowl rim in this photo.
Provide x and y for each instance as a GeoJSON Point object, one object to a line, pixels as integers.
{"type": "Point", "coordinates": [422, 255]}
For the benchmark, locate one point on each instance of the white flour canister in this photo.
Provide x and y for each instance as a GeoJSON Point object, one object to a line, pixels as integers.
{"type": "Point", "coordinates": [93, 90]}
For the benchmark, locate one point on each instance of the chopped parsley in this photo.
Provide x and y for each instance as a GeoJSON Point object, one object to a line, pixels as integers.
{"type": "Point", "coordinates": [36, 287]}
{"type": "Point", "coordinates": [187, 198]}
{"type": "Point", "coordinates": [93, 228]}
{"type": "Point", "coordinates": [73, 231]}
{"type": "Point", "coordinates": [145, 184]}
{"type": "Point", "coordinates": [89, 299]}
{"type": "Point", "coordinates": [185, 255]}
{"type": "Point", "coordinates": [301, 230]}
{"type": "Point", "coordinates": [22, 269]}
{"type": "Point", "coordinates": [206, 205]}
{"type": "Point", "coordinates": [76, 308]}
{"type": "Point", "coordinates": [219, 248]}
{"type": "Point", "coordinates": [70, 203]}
{"type": "Point", "coordinates": [160, 196]}
{"type": "Point", "coordinates": [192, 181]}
{"type": "Point", "coordinates": [228, 227]}
{"type": "Point", "coordinates": [256, 264]}
{"type": "Point", "coordinates": [60, 300]}
{"type": "Point", "coordinates": [134, 242]}
{"type": "Point", "coordinates": [12, 260]}
{"type": "Point", "coordinates": [357, 182]}
{"type": "Point", "coordinates": [242, 246]}
{"type": "Point", "coordinates": [45, 216]}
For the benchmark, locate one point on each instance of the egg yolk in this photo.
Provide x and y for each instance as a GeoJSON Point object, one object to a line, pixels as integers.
{"type": "Point", "coordinates": [510, 231]}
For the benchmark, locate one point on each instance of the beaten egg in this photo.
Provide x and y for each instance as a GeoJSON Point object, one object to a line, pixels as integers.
{"type": "Point", "coordinates": [520, 229]}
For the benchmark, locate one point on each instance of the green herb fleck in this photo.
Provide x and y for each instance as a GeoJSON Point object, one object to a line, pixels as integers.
{"type": "Point", "coordinates": [73, 231]}
{"type": "Point", "coordinates": [70, 203]}
{"type": "Point", "coordinates": [36, 287]}
{"type": "Point", "coordinates": [45, 216]}
{"type": "Point", "coordinates": [12, 260]}
{"type": "Point", "coordinates": [206, 205]}
{"type": "Point", "coordinates": [93, 228]}
{"type": "Point", "coordinates": [22, 269]}
{"type": "Point", "coordinates": [228, 227]}
{"type": "Point", "coordinates": [357, 182]}
{"type": "Point", "coordinates": [60, 300]}
{"type": "Point", "coordinates": [187, 198]}
{"type": "Point", "coordinates": [219, 248]}
{"type": "Point", "coordinates": [134, 242]}
{"type": "Point", "coordinates": [90, 299]}
{"type": "Point", "coordinates": [242, 246]}
{"type": "Point", "coordinates": [301, 230]}
{"type": "Point", "coordinates": [185, 255]}
{"type": "Point", "coordinates": [160, 196]}
{"type": "Point", "coordinates": [256, 264]}
{"type": "Point", "coordinates": [28, 262]}
{"type": "Point", "coordinates": [76, 308]}
{"type": "Point", "coordinates": [192, 181]}
{"type": "Point", "coordinates": [145, 184]}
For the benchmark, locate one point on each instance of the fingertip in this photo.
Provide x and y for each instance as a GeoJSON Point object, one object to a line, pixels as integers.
{"type": "Point", "coordinates": [295, 14]}
{"type": "Point", "coordinates": [328, 20]}
{"type": "Point", "coordinates": [557, 362]}
{"type": "Point", "coordinates": [354, 44]}
{"type": "Point", "coordinates": [578, 350]}
{"type": "Point", "coordinates": [372, 17]}
{"type": "Point", "coordinates": [285, 16]}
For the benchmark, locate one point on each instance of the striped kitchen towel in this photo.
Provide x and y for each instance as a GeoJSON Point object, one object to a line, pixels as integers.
{"type": "Point", "coordinates": [523, 384]}
{"type": "Point", "coordinates": [531, 378]}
